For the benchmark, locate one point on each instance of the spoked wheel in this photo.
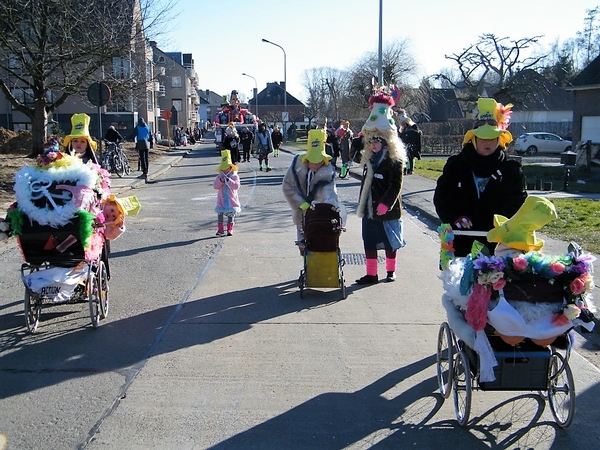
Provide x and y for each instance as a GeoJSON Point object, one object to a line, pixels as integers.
{"type": "Point", "coordinates": [93, 291]}
{"type": "Point", "coordinates": [33, 310]}
{"type": "Point", "coordinates": [126, 166]}
{"type": "Point", "coordinates": [302, 281]}
{"type": "Point", "coordinates": [561, 390]}
{"type": "Point", "coordinates": [118, 165]}
{"type": "Point", "coordinates": [341, 263]}
{"type": "Point", "coordinates": [445, 357]}
{"type": "Point", "coordinates": [461, 375]}
{"type": "Point", "coordinates": [103, 290]}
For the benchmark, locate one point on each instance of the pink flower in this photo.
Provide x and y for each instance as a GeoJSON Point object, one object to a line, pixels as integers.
{"type": "Point", "coordinates": [577, 286]}
{"type": "Point", "coordinates": [499, 284]}
{"type": "Point", "coordinates": [520, 263]}
{"type": "Point", "coordinates": [557, 267]}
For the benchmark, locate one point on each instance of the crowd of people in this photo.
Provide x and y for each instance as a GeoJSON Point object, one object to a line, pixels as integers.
{"type": "Point", "coordinates": [476, 183]}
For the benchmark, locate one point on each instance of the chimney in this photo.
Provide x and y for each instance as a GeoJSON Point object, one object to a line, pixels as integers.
{"type": "Point", "coordinates": [282, 84]}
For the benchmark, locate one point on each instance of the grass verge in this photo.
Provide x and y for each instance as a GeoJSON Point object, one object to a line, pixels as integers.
{"type": "Point", "coordinates": [578, 219]}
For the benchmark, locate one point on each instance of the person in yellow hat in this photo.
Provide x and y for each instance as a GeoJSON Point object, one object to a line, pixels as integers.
{"type": "Point", "coordinates": [481, 180]}
{"type": "Point", "coordinates": [310, 178]}
{"type": "Point", "coordinates": [227, 183]}
{"type": "Point", "coordinates": [79, 142]}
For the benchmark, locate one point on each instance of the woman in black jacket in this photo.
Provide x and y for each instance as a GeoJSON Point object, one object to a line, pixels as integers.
{"type": "Point", "coordinates": [480, 181]}
{"type": "Point", "coordinates": [380, 204]}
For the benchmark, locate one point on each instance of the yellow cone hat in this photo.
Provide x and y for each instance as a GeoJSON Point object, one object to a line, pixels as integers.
{"type": "Point", "coordinates": [80, 128]}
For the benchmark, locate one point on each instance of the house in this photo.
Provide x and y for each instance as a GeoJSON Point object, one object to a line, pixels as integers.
{"type": "Point", "coordinates": [271, 104]}
{"type": "Point", "coordinates": [585, 88]}
{"type": "Point", "coordinates": [176, 87]}
{"type": "Point", "coordinates": [209, 104]}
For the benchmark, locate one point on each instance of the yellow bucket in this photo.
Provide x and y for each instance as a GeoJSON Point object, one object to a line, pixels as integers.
{"type": "Point", "coordinates": [322, 270]}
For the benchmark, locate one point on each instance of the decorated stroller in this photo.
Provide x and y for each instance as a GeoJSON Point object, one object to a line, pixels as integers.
{"type": "Point", "coordinates": [323, 263]}
{"type": "Point", "coordinates": [509, 318]}
{"type": "Point", "coordinates": [57, 271]}
{"type": "Point", "coordinates": [62, 218]}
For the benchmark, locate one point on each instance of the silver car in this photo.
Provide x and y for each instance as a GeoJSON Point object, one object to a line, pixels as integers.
{"type": "Point", "coordinates": [532, 143]}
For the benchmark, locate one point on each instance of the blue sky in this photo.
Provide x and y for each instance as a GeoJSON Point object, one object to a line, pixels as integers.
{"type": "Point", "coordinates": [225, 37]}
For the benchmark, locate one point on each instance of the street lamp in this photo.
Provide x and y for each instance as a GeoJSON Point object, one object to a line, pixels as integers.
{"type": "Point", "coordinates": [255, 93]}
{"type": "Point", "coordinates": [284, 84]}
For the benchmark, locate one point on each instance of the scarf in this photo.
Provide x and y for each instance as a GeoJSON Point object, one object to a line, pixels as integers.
{"type": "Point", "coordinates": [482, 166]}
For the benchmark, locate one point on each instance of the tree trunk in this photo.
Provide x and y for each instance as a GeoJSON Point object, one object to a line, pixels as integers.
{"type": "Point", "coordinates": [39, 127]}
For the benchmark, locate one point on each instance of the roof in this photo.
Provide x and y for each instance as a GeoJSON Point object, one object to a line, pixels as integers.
{"type": "Point", "coordinates": [443, 105]}
{"type": "Point", "coordinates": [273, 95]}
{"type": "Point", "coordinates": [588, 77]}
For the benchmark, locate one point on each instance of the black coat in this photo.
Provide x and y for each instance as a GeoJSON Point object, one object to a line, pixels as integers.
{"type": "Point", "coordinates": [385, 188]}
{"type": "Point", "coordinates": [456, 194]}
{"type": "Point", "coordinates": [411, 137]}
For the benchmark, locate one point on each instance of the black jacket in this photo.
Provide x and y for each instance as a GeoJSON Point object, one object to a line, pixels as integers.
{"type": "Point", "coordinates": [385, 188]}
{"type": "Point", "coordinates": [456, 194]}
{"type": "Point", "coordinates": [411, 137]}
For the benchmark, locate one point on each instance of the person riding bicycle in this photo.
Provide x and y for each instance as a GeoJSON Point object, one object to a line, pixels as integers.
{"type": "Point", "coordinates": [112, 135]}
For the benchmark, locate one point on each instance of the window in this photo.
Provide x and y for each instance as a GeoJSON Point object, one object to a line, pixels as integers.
{"type": "Point", "coordinates": [121, 68]}
{"type": "Point", "coordinates": [178, 104]}
{"type": "Point", "coordinates": [176, 82]}
{"type": "Point", "coordinates": [150, 98]}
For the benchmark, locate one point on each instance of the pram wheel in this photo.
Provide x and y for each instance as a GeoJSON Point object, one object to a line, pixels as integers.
{"type": "Point", "coordinates": [445, 357]}
{"type": "Point", "coordinates": [561, 390]}
{"type": "Point", "coordinates": [462, 388]}
{"type": "Point", "coordinates": [33, 310]}
{"type": "Point", "coordinates": [93, 291]}
{"type": "Point", "coordinates": [302, 281]}
{"type": "Point", "coordinates": [103, 289]}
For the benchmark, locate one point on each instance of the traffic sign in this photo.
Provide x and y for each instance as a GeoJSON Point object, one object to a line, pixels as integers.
{"type": "Point", "coordinates": [99, 94]}
{"type": "Point", "coordinates": [166, 114]}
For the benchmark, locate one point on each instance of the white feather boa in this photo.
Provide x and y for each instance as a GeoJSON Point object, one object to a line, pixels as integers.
{"type": "Point", "coordinates": [39, 184]}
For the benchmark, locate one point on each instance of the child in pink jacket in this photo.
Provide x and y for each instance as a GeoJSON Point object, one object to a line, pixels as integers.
{"type": "Point", "coordinates": [227, 184]}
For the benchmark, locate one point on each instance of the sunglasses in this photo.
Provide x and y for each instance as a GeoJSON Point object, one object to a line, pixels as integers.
{"type": "Point", "coordinates": [481, 122]}
{"type": "Point", "coordinates": [373, 140]}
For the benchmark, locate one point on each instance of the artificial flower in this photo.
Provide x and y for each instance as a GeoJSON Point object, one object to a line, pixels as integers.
{"type": "Point", "coordinates": [520, 263]}
{"type": "Point", "coordinates": [577, 286]}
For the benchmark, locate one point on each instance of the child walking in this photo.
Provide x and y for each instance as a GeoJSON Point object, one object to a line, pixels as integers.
{"type": "Point", "coordinates": [227, 184]}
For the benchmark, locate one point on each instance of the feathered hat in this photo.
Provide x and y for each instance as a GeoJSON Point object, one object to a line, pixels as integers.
{"type": "Point", "coordinates": [380, 123]}
{"type": "Point", "coordinates": [491, 122]}
{"type": "Point", "coordinates": [80, 128]}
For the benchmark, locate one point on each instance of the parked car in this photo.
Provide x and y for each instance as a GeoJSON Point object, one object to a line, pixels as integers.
{"type": "Point", "coordinates": [532, 143]}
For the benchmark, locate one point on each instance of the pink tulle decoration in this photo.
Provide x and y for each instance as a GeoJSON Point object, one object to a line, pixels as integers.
{"type": "Point", "coordinates": [477, 307]}
{"type": "Point", "coordinates": [560, 320]}
{"type": "Point", "coordinates": [95, 249]}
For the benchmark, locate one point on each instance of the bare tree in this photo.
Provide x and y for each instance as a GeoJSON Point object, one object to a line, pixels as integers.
{"type": "Point", "coordinates": [325, 88]}
{"type": "Point", "coordinates": [491, 63]}
{"type": "Point", "coordinates": [52, 49]}
{"type": "Point", "coordinates": [588, 40]}
{"type": "Point", "coordinates": [399, 67]}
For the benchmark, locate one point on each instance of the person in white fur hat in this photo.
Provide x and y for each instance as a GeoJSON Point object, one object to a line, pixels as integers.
{"type": "Point", "coordinates": [380, 203]}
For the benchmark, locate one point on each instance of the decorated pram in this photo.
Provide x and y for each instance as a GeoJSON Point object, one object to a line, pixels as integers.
{"type": "Point", "coordinates": [63, 218]}
{"type": "Point", "coordinates": [510, 315]}
{"type": "Point", "coordinates": [323, 262]}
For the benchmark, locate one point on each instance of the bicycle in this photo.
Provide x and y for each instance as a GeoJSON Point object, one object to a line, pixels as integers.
{"type": "Point", "coordinates": [115, 160]}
